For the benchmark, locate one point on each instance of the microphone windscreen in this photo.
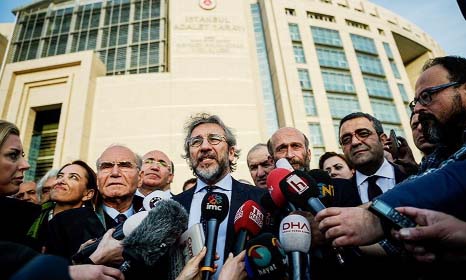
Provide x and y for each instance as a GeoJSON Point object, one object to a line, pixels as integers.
{"type": "Point", "coordinates": [324, 185]}
{"type": "Point", "coordinates": [133, 222]}
{"type": "Point", "coordinates": [156, 234]}
{"type": "Point", "coordinates": [298, 187]}
{"type": "Point", "coordinates": [273, 185]}
{"type": "Point", "coordinates": [151, 199]}
{"type": "Point", "coordinates": [285, 164]}
{"type": "Point", "coordinates": [295, 234]}
{"type": "Point", "coordinates": [249, 217]}
{"type": "Point", "coordinates": [215, 206]}
{"type": "Point", "coordinates": [265, 258]}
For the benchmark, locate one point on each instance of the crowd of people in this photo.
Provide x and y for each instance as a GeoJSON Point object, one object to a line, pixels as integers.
{"type": "Point", "coordinates": [49, 223]}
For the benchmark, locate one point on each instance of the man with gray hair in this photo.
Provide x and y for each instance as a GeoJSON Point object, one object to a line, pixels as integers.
{"type": "Point", "coordinates": [45, 185]}
{"type": "Point", "coordinates": [210, 150]}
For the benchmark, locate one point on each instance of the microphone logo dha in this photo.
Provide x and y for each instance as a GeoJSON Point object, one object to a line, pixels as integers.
{"type": "Point", "coordinates": [214, 202]}
{"type": "Point", "coordinates": [298, 227]}
{"type": "Point", "coordinates": [256, 216]}
{"type": "Point", "coordinates": [297, 184]}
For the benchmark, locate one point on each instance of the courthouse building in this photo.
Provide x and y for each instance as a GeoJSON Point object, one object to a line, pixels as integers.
{"type": "Point", "coordinates": [80, 75]}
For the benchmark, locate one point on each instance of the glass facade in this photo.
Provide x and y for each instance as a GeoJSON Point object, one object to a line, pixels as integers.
{"type": "Point", "coordinates": [377, 87]}
{"type": "Point", "coordinates": [342, 105]}
{"type": "Point", "coordinates": [329, 57]}
{"type": "Point", "coordinates": [102, 26]}
{"type": "Point", "coordinates": [363, 44]}
{"type": "Point", "coordinates": [326, 36]}
{"type": "Point", "coordinates": [338, 81]}
{"type": "Point", "coordinates": [264, 71]}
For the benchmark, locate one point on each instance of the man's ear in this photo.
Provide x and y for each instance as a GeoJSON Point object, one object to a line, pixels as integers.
{"type": "Point", "coordinates": [383, 138]}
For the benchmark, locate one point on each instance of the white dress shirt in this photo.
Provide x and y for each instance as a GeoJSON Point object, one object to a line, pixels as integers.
{"type": "Point", "coordinates": [386, 180]}
{"type": "Point", "coordinates": [224, 186]}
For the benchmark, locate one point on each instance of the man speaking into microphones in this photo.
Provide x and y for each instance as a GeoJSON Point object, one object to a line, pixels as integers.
{"type": "Point", "coordinates": [210, 149]}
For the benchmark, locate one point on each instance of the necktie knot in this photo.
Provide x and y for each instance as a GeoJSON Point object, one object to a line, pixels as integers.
{"type": "Point", "coordinates": [120, 218]}
{"type": "Point", "coordinates": [211, 188]}
{"type": "Point", "coordinates": [373, 190]}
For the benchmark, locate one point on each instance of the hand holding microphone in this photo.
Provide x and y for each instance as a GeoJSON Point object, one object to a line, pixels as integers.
{"type": "Point", "coordinates": [248, 222]}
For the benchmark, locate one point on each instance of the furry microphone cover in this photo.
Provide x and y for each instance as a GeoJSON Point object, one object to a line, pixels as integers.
{"type": "Point", "coordinates": [156, 234]}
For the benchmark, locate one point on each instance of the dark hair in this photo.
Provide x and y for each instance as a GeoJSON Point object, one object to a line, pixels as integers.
{"type": "Point", "coordinates": [375, 122]}
{"type": "Point", "coordinates": [328, 155]}
{"type": "Point", "coordinates": [189, 181]}
{"type": "Point", "coordinates": [455, 65]}
{"type": "Point", "coordinates": [90, 176]}
{"type": "Point", "coordinates": [203, 118]}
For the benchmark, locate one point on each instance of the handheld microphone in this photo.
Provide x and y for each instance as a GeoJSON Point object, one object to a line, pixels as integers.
{"type": "Point", "coordinates": [151, 199]}
{"type": "Point", "coordinates": [155, 235]}
{"type": "Point", "coordinates": [121, 230]}
{"type": "Point", "coordinates": [273, 185]}
{"type": "Point", "coordinates": [248, 222]}
{"type": "Point", "coordinates": [295, 237]}
{"type": "Point", "coordinates": [265, 258]}
{"type": "Point", "coordinates": [214, 209]}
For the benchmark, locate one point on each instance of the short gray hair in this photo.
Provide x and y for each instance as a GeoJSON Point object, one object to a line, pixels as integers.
{"type": "Point", "coordinates": [50, 174]}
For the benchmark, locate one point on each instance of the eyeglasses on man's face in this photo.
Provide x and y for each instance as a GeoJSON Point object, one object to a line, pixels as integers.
{"type": "Point", "coordinates": [213, 139]}
{"type": "Point", "coordinates": [159, 163]}
{"type": "Point", "coordinates": [425, 97]}
{"type": "Point", "coordinates": [107, 166]}
{"type": "Point", "coordinates": [361, 134]}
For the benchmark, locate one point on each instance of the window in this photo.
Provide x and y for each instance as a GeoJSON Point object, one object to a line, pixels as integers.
{"type": "Point", "coordinates": [388, 51]}
{"type": "Point", "coordinates": [294, 32]}
{"type": "Point", "coordinates": [43, 142]}
{"type": "Point", "coordinates": [304, 80]}
{"type": "Point", "coordinates": [322, 17]}
{"type": "Point", "coordinates": [317, 141]}
{"type": "Point", "coordinates": [339, 81]}
{"type": "Point", "coordinates": [403, 94]}
{"type": "Point", "coordinates": [370, 64]}
{"type": "Point", "coordinates": [364, 44]}
{"type": "Point", "coordinates": [290, 12]}
{"type": "Point", "coordinates": [395, 69]}
{"type": "Point", "coordinates": [385, 111]}
{"type": "Point", "coordinates": [357, 24]}
{"type": "Point", "coordinates": [342, 105]}
{"type": "Point", "coordinates": [377, 87]}
{"type": "Point", "coordinates": [309, 103]}
{"type": "Point", "coordinates": [298, 53]}
{"type": "Point", "coordinates": [330, 57]}
{"type": "Point", "coordinates": [326, 36]}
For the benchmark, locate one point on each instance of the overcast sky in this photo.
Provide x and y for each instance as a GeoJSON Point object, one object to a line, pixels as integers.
{"type": "Point", "coordinates": [441, 19]}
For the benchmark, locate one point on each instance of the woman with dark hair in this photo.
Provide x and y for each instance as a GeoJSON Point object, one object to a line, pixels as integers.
{"type": "Point", "coordinates": [336, 165]}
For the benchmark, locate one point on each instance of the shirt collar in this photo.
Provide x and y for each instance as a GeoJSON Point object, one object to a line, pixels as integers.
{"type": "Point", "coordinates": [224, 184]}
{"type": "Point", "coordinates": [112, 212]}
{"type": "Point", "coordinates": [386, 170]}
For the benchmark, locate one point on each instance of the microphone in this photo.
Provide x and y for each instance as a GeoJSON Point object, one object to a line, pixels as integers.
{"type": "Point", "coordinates": [273, 185]}
{"type": "Point", "coordinates": [155, 235]}
{"type": "Point", "coordinates": [121, 230]}
{"type": "Point", "coordinates": [214, 209]}
{"type": "Point", "coordinates": [248, 222]}
{"type": "Point", "coordinates": [265, 258]}
{"type": "Point", "coordinates": [295, 237]}
{"type": "Point", "coordinates": [151, 199]}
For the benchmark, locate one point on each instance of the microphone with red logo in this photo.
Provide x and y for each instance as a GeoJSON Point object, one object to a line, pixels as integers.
{"type": "Point", "coordinates": [248, 222]}
{"type": "Point", "coordinates": [214, 209]}
{"type": "Point", "coordinates": [265, 258]}
{"type": "Point", "coordinates": [273, 185]}
{"type": "Point", "coordinates": [295, 237]}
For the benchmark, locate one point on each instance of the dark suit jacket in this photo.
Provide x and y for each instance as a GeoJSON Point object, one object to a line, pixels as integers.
{"type": "Point", "coordinates": [240, 194]}
{"type": "Point", "coordinates": [399, 177]}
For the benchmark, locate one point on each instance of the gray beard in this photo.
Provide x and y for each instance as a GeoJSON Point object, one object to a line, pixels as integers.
{"type": "Point", "coordinates": [211, 175]}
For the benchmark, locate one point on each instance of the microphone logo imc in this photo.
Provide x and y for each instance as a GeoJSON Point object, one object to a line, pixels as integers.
{"type": "Point", "coordinates": [214, 202]}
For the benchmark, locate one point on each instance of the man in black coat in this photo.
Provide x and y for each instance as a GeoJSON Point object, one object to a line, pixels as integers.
{"type": "Point", "coordinates": [210, 149]}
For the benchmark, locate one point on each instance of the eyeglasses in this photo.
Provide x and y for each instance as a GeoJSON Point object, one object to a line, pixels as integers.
{"type": "Point", "coordinates": [425, 97]}
{"type": "Point", "coordinates": [107, 166]}
{"type": "Point", "coordinates": [159, 163]}
{"type": "Point", "coordinates": [361, 134]}
{"type": "Point", "coordinates": [213, 139]}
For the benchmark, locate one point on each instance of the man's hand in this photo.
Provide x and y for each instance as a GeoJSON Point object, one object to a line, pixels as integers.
{"type": "Point", "coordinates": [233, 268]}
{"type": "Point", "coordinates": [191, 269]}
{"type": "Point", "coordinates": [437, 234]}
{"type": "Point", "coordinates": [109, 251]}
{"type": "Point", "coordinates": [94, 272]}
{"type": "Point", "coordinates": [353, 226]}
